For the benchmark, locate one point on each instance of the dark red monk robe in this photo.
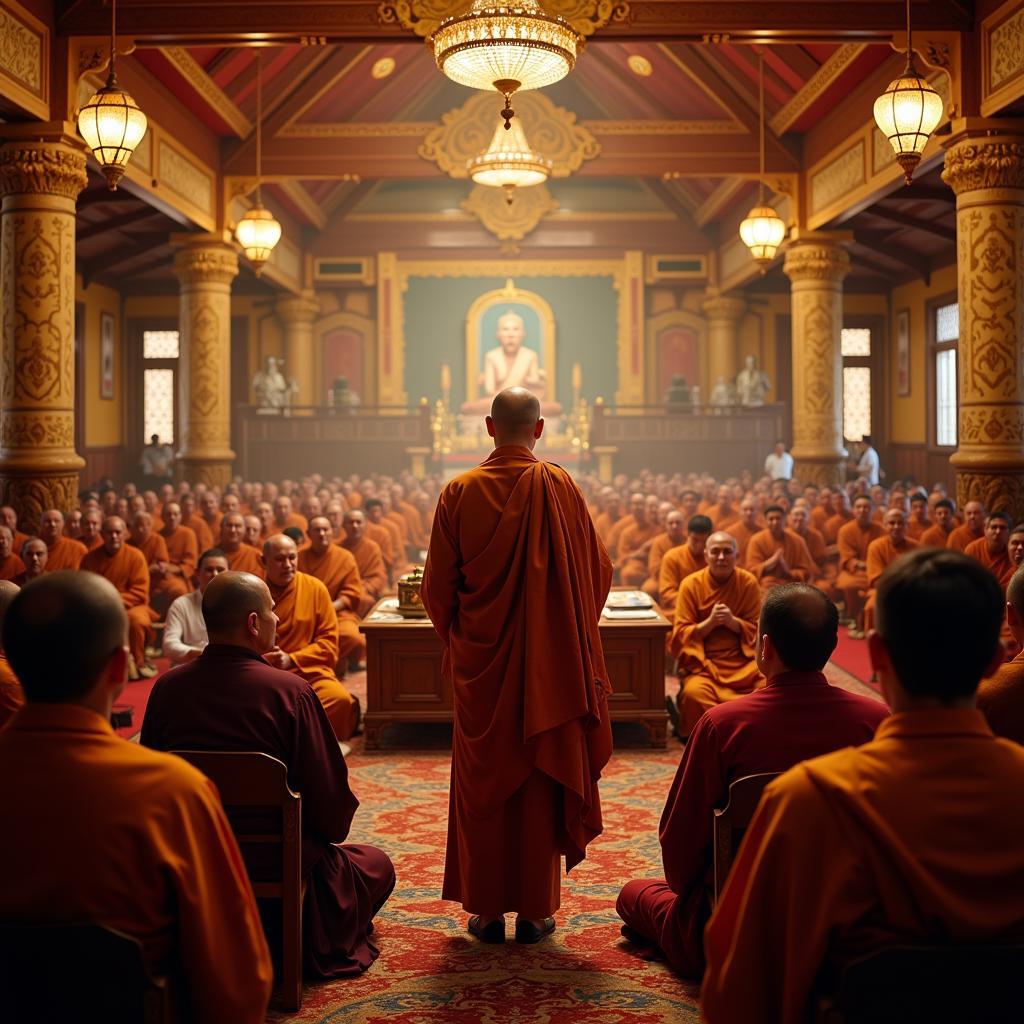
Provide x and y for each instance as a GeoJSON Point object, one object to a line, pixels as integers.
{"type": "Point", "coordinates": [230, 699]}
{"type": "Point", "coordinates": [797, 715]}
{"type": "Point", "coordinates": [514, 583]}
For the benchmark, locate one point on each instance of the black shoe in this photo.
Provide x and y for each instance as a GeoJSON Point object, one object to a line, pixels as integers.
{"type": "Point", "coordinates": [528, 933]}
{"type": "Point", "coordinates": [493, 934]}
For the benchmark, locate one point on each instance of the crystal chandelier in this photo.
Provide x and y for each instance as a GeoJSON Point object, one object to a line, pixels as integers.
{"type": "Point", "coordinates": [908, 112]}
{"type": "Point", "coordinates": [111, 122]}
{"type": "Point", "coordinates": [763, 230]}
{"type": "Point", "coordinates": [258, 232]}
{"type": "Point", "coordinates": [509, 163]}
{"type": "Point", "coordinates": [508, 48]}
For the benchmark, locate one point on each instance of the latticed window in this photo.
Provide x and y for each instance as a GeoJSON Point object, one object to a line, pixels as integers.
{"type": "Point", "coordinates": [160, 367]}
{"type": "Point", "coordinates": [947, 334]}
{"type": "Point", "coordinates": [855, 345]}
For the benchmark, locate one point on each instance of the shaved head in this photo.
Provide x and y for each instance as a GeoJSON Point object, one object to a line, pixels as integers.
{"type": "Point", "coordinates": [228, 602]}
{"type": "Point", "coordinates": [515, 417]}
{"type": "Point", "coordinates": [78, 619]}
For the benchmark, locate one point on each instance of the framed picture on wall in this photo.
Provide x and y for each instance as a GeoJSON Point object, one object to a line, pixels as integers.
{"type": "Point", "coordinates": [106, 355]}
{"type": "Point", "coordinates": [903, 352]}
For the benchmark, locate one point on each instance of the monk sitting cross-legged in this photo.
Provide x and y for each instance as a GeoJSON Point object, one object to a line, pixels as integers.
{"type": "Point", "coordinates": [11, 695]}
{"type": "Point", "coordinates": [307, 632]}
{"type": "Point", "coordinates": [796, 715]}
{"type": "Point", "coordinates": [125, 567]}
{"type": "Point", "coordinates": [635, 543]}
{"type": "Point", "coordinates": [377, 530]}
{"type": "Point", "coordinates": [749, 524]}
{"type": "Point", "coordinates": [369, 561]}
{"type": "Point", "coordinates": [241, 557]}
{"type": "Point", "coordinates": [62, 552]}
{"type": "Point", "coordinates": [714, 633]}
{"type": "Point", "coordinates": [681, 562]}
{"type": "Point", "coordinates": [853, 539]}
{"type": "Point", "coordinates": [175, 574]}
{"type": "Point", "coordinates": [515, 581]}
{"type": "Point", "coordinates": [777, 555]}
{"type": "Point", "coordinates": [154, 550]}
{"type": "Point", "coordinates": [336, 568]}
{"type": "Point", "coordinates": [882, 552]}
{"type": "Point", "coordinates": [228, 698]}
{"type": "Point", "coordinates": [674, 535]}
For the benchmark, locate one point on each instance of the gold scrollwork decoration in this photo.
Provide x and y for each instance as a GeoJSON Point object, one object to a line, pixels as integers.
{"type": "Point", "coordinates": [423, 16]}
{"type": "Point", "coordinates": [509, 222]}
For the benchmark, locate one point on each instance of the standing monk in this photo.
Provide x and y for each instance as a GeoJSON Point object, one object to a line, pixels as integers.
{"type": "Point", "coordinates": [515, 581]}
{"type": "Point", "coordinates": [61, 552]}
{"type": "Point", "coordinates": [369, 560]}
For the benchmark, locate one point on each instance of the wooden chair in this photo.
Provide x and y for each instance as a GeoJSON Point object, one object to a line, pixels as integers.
{"type": "Point", "coordinates": [924, 985]}
{"type": "Point", "coordinates": [731, 821]}
{"type": "Point", "coordinates": [54, 973]}
{"type": "Point", "coordinates": [266, 817]}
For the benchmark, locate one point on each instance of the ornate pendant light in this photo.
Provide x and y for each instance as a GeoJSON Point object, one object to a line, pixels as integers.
{"type": "Point", "coordinates": [505, 47]}
{"type": "Point", "coordinates": [258, 232]}
{"type": "Point", "coordinates": [763, 230]}
{"type": "Point", "coordinates": [509, 163]}
{"type": "Point", "coordinates": [111, 122]}
{"type": "Point", "coordinates": [908, 112]}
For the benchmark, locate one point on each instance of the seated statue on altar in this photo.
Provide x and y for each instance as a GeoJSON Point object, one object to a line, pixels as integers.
{"type": "Point", "coordinates": [511, 364]}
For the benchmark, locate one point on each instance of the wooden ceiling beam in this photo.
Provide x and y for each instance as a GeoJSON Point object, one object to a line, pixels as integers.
{"type": "Point", "coordinates": [906, 220]}
{"type": "Point", "coordinates": [245, 22]}
{"type": "Point", "coordinates": [715, 203]}
{"type": "Point", "coordinates": [915, 193]}
{"type": "Point", "coordinates": [877, 242]}
{"type": "Point", "coordinates": [125, 220]}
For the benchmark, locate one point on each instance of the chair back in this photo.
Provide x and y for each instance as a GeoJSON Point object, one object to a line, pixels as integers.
{"type": "Point", "coordinates": [266, 817]}
{"type": "Point", "coordinates": [53, 973]}
{"type": "Point", "coordinates": [731, 821]}
{"type": "Point", "coordinates": [919, 984]}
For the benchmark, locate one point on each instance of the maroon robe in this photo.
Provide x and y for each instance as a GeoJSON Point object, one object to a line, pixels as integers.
{"type": "Point", "coordinates": [231, 699]}
{"type": "Point", "coordinates": [796, 716]}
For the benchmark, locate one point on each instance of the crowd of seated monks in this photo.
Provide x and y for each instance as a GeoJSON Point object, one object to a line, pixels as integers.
{"type": "Point", "coordinates": [891, 821]}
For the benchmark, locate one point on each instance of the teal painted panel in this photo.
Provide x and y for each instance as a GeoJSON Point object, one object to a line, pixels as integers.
{"type": "Point", "coordinates": [586, 312]}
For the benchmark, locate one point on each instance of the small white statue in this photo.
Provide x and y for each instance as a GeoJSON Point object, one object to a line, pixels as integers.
{"type": "Point", "coordinates": [272, 390]}
{"type": "Point", "coordinates": [752, 384]}
{"type": "Point", "coordinates": [722, 393]}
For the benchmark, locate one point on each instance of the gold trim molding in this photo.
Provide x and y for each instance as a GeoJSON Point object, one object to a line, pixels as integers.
{"type": "Point", "coordinates": [821, 80]}
{"type": "Point", "coordinates": [423, 16]}
{"type": "Point", "coordinates": [509, 222]}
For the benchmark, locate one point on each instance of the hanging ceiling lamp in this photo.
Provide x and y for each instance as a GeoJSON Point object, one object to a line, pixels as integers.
{"type": "Point", "coordinates": [509, 163]}
{"type": "Point", "coordinates": [258, 232]}
{"type": "Point", "coordinates": [908, 112]}
{"type": "Point", "coordinates": [505, 47]}
{"type": "Point", "coordinates": [763, 230]}
{"type": "Point", "coordinates": [111, 122]}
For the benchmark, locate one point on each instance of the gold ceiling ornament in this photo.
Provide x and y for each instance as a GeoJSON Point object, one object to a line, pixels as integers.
{"type": "Point", "coordinates": [466, 131]}
{"type": "Point", "coordinates": [111, 122]}
{"type": "Point", "coordinates": [510, 47]}
{"type": "Point", "coordinates": [908, 112]}
{"type": "Point", "coordinates": [509, 163]}
{"type": "Point", "coordinates": [509, 222]}
{"type": "Point", "coordinates": [763, 229]}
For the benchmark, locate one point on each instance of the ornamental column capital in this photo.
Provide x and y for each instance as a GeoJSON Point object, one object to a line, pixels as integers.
{"type": "Point", "coordinates": [816, 259]}
{"type": "Point", "coordinates": [205, 259]}
{"type": "Point", "coordinates": [983, 154]}
{"type": "Point", "coordinates": [49, 161]}
{"type": "Point", "coordinates": [725, 308]}
{"type": "Point", "coordinates": [297, 309]}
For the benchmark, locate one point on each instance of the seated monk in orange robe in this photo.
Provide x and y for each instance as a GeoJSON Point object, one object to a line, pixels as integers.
{"type": "Point", "coordinates": [824, 566]}
{"type": "Point", "coordinates": [1001, 695]}
{"type": "Point", "coordinates": [284, 516]}
{"type": "Point", "coordinates": [777, 555]}
{"type": "Point", "coordinates": [973, 527]}
{"type": "Point", "coordinates": [175, 577]}
{"type": "Point", "coordinates": [913, 839]}
{"type": "Point", "coordinates": [853, 540]}
{"type": "Point", "coordinates": [195, 522]}
{"type": "Point", "coordinates": [11, 565]}
{"type": "Point", "coordinates": [610, 514]}
{"type": "Point", "coordinates": [11, 695]}
{"type": "Point", "coordinates": [9, 518]}
{"type": "Point", "coordinates": [823, 511]}
{"type": "Point", "coordinates": [414, 524]}
{"type": "Point", "coordinates": [842, 516]}
{"type": "Point", "coordinates": [992, 550]}
{"type": "Point", "coordinates": [125, 567]}
{"type": "Point", "coordinates": [253, 532]}
{"type": "Point", "coordinates": [681, 562]}
{"type": "Point", "coordinates": [918, 523]}
{"type": "Point", "coordinates": [369, 561]}
{"type": "Point", "coordinates": [92, 524]}
{"type": "Point", "coordinates": [131, 838]}
{"type": "Point", "coordinates": [881, 554]}
{"type": "Point", "coordinates": [307, 632]}
{"type": "Point", "coordinates": [674, 535]}
{"type": "Point", "coordinates": [723, 513]}
{"type": "Point", "coordinates": [715, 633]}
{"type": "Point", "coordinates": [33, 557]}
{"type": "Point", "coordinates": [376, 530]}
{"type": "Point", "coordinates": [154, 550]}
{"type": "Point", "coordinates": [749, 523]}
{"type": "Point", "coordinates": [335, 567]}
{"type": "Point", "coordinates": [62, 552]}
{"type": "Point", "coordinates": [943, 524]}
{"type": "Point", "coordinates": [515, 581]}
{"type": "Point", "coordinates": [635, 543]}
{"type": "Point", "coordinates": [241, 556]}
{"type": "Point", "coordinates": [624, 522]}
{"type": "Point", "coordinates": [210, 513]}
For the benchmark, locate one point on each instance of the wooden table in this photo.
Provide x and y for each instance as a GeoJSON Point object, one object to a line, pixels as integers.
{"type": "Point", "coordinates": [404, 682]}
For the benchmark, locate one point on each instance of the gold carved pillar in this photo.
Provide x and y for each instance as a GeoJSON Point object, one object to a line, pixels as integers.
{"type": "Point", "coordinates": [816, 266]}
{"type": "Point", "coordinates": [41, 174]}
{"type": "Point", "coordinates": [206, 265]}
{"type": "Point", "coordinates": [298, 314]}
{"type": "Point", "coordinates": [723, 313]}
{"type": "Point", "coordinates": [985, 168]}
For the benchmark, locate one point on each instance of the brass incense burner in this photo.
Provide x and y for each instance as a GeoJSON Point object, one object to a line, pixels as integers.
{"type": "Point", "coordinates": [410, 605]}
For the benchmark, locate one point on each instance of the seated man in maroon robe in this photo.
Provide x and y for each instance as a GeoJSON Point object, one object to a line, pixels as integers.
{"type": "Point", "coordinates": [797, 715]}
{"type": "Point", "coordinates": [229, 698]}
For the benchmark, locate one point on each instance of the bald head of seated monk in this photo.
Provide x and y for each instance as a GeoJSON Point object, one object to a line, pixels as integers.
{"type": "Point", "coordinates": [239, 611]}
{"type": "Point", "coordinates": [92, 524]}
{"type": "Point", "coordinates": [253, 532]}
{"type": "Point", "coordinates": [34, 554]}
{"type": "Point", "coordinates": [11, 695]}
{"type": "Point", "coordinates": [11, 565]}
{"type": "Point", "coordinates": [515, 419]}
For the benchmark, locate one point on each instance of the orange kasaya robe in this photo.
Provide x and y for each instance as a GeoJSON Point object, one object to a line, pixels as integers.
{"type": "Point", "coordinates": [834, 525]}
{"type": "Point", "coordinates": [65, 554]}
{"type": "Point", "coordinates": [1001, 700]}
{"type": "Point", "coordinates": [308, 631]}
{"type": "Point", "coordinates": [128, 572]}
{"type": "Point", "coordinates": [998, 564]}
{"type": "Point", "coordinates": [399, 529]}
{"type": "Point", "coordinates": [354, 500]}
{"type": "Point", "coordinates": [881, 554]}
{"type": "Point", "coordinates": [825, 568]}
{"type": "Point", "coordinates": [162, 590]}
{"type": "Point", "coordinates": [622, 523]}
{"type": "Point", "coordinates": [135, 839]}
{"type": "Point", "coordinates": [934, 537]}
{"type": "Point", "coordinates": [917, 528]}
{"type": "Point", "coordinates": [91, 543]}
{"type": "Point", "coordinates": [853, 547]}
{"type": "Point", "coordinates": [245, 559]}
{"type": "Point", "coordinates": [723, 519]}
{"type": "Point", "coordinates": [372, 572]}
{"type": "Point", "coordinates": [11, 567]}
{"type": "Point", "coordinates": [961, 536]}
{"type": "Point", "coordinates": [915, 838]}
{"type": "Point", "coordinates": [660, 546]}
{"type": "Point", "coordinates": [515, 581]}
{"type": "Point", "coordinates": [820, 515]}
{"type": "Point", "coordinates": [213, 523]}
{"type": "Point", "coordinates": [633, 570]}
{"type": "Point", "coordinates": [763, 546]}
{"type": "Point", "coordinates": [721, 665]}
{"type": "Point", "coordinates": [12, 697]}
{"type": "Point", "coordinates": [604, 525]}
{"type": "Point", "coordinates": [336, 569]}
{"type": "Point", "coordinates": [182, 551]}
{"type": "Point", "coordinates": [292, 519]}
{"type": "Point", "coordinates": [678, 563]}
{"type": "Point", "coordinates": [742, 534]}
{"type": "Point", "coordinates": [19, 540]}
{"type": "Point", "coordinates": [414, 524]}
{"type": "Point", "coordinates": [198, 526]}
